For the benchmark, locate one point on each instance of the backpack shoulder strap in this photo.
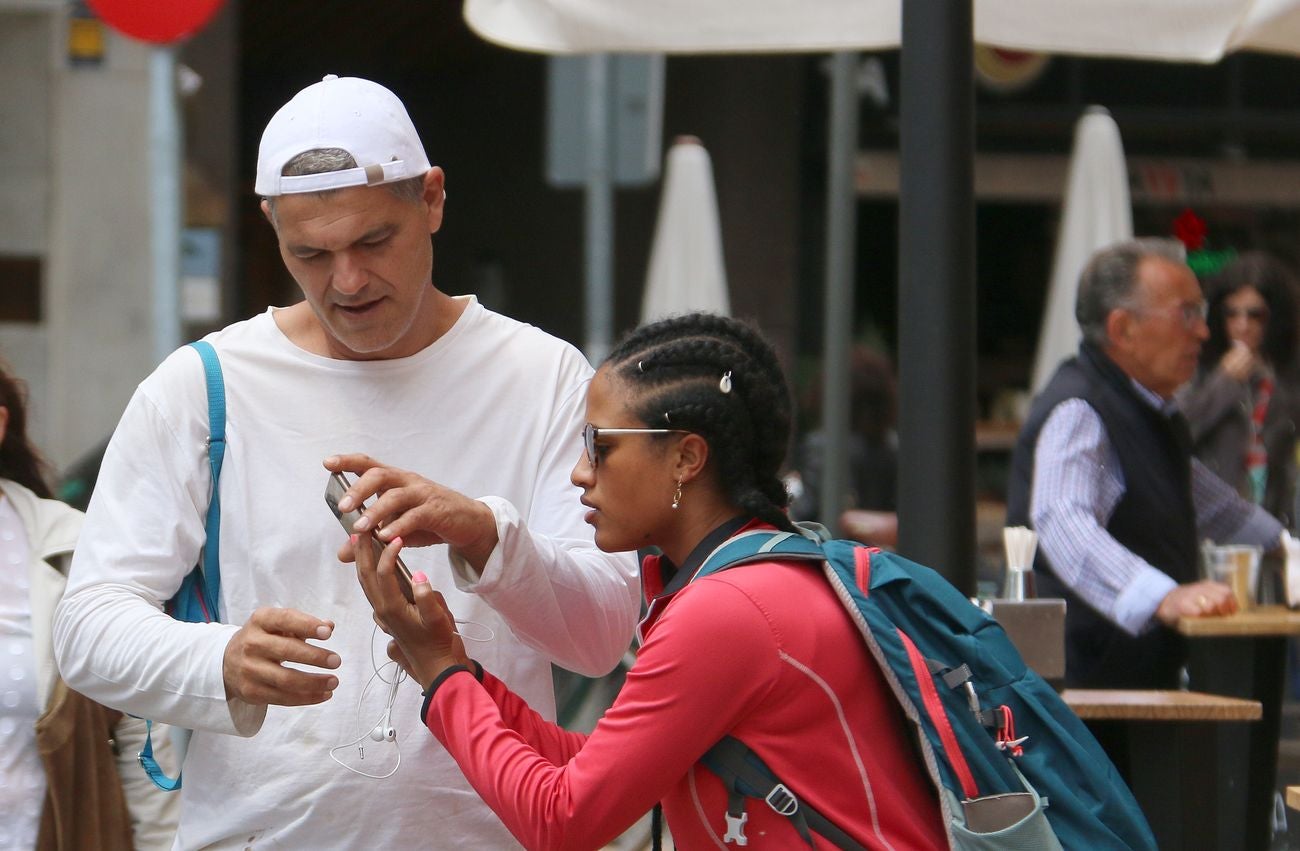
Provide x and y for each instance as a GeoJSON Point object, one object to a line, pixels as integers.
{"type": "Point", "coordinates": [746, 776]}
{"type": "Point", "coordinates": [211, 564]}
{"type": "Point", "coordinates": [760, 545]}
{"type": "Point", "coordinates": [209, 567]}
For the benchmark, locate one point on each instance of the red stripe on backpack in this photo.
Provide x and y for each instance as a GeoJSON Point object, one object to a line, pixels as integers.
{"type": "Point", "coordinates": [939, 716]}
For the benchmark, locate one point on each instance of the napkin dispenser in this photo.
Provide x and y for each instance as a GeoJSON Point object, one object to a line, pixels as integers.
{"type": "Point", "coordinates": [1037, 629]}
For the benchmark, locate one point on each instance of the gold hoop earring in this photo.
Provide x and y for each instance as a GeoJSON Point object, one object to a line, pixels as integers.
{"type": "Point", "coordinates": [677, 495]}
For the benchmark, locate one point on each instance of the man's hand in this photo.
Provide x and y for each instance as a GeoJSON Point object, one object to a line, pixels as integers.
{"type": "Point", "coordinates": [253, 667]}
{"type": "Point", "coordinates": [418, 511]}
{"type": "Point", "coordinates": [1196, 599]}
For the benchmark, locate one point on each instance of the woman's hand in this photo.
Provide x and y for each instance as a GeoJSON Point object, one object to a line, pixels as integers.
{"type": "Point", "coordinates": [419, 511]}
{"type": "Point", "coordinates": [425, 641]}
{"type": "Point", "coordinates": [1238, 362]}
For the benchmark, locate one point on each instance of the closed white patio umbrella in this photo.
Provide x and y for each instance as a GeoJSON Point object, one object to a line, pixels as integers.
{"type": "Point", "coordinates": [1096, 212]}
{"type": "Point", "coordinates": [686, 271]}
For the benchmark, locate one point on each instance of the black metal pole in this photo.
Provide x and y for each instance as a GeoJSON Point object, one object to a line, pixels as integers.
{"type": "Point", "coordinates": [841, 226]}
{"type": "Point", "coordinates": [936, 223]}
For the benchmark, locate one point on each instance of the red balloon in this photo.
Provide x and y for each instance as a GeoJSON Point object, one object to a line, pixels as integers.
{"type": "Point", "coordinates": [156, 21]}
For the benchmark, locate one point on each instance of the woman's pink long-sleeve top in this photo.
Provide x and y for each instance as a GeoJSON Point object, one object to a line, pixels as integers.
{"type": "Point", "coordinates": [763, 652]}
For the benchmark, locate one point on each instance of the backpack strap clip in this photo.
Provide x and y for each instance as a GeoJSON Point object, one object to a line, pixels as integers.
{"type": "Point", "coordinates": [736, 827]}
{"type": "Point", "coordinates": [960, 677]}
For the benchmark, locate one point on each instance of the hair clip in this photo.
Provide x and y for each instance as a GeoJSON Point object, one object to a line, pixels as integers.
{"type": "Point", "coordinates": [725, 384]}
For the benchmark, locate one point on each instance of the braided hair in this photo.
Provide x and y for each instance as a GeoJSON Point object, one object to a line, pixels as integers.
{"type": "Point", "coordinates": [19, 459]}
{"type": "Point", "coordinates": [675, 369]}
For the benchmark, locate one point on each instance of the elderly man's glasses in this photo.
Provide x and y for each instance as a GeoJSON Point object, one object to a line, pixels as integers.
{"type": "Point", "coordinates": [591, 434]}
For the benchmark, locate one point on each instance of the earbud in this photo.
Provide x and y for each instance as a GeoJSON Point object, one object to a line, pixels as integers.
{"type": "Point", "coordinates": [383, 731]}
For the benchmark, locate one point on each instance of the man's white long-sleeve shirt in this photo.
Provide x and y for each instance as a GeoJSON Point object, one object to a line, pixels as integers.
{"type": "Point", "coordinates": [492, 409]}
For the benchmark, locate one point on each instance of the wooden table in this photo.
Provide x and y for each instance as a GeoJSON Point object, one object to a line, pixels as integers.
{"type": "Point", "coordinates": [1156, 705]}
{"type": "Point", "coordinates": [1259, 622]}
{"type": "Point", "coordinates": [1244, 655]}
{"type": "Point", "coordinates": [1168, 739]}
{"type": "Point", "coordinates": [1293, 797]}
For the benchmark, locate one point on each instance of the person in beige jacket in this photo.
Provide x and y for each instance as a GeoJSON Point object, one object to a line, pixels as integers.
{"type": "Point", "coordinates": [69, 779]}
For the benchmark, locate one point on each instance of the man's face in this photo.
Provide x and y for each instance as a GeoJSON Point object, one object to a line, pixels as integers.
{"type": "Point", "coordinates": [1158, 338]}
{"type": "Point", "coordinates": [364, 261]}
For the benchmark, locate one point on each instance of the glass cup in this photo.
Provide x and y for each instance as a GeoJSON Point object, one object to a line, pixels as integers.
{"type": "Point", "coordinates": [1237, 566]}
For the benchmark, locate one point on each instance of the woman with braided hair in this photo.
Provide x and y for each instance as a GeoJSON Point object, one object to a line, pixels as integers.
{"type": "Point", "coordinates": [688, 423]}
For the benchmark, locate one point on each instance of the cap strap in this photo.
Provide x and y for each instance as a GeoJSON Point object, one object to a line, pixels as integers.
{"type": "Point", "coordinates": [368, 176]}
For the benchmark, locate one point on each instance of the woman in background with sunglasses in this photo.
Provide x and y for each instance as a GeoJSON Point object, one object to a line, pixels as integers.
{"type": "Point", "coordinates": [1242, 404]}
{"type": "Point", "coordinates": [688, 424]}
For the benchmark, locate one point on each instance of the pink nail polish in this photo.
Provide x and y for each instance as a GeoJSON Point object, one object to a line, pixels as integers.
{"type": "Point", "coordinates": [419, 576]}
{"type": "Point", "coordinates": [352, 538]}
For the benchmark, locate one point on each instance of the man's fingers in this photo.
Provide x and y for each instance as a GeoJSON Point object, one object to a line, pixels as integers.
{"type": "Point", "coordinates": [1209, 598]}
{"type": "Point", "coordinates": [275, 684]}
{"type": "Point", "coordinates": [399, 497]}
{"type": "Point", "coordinates": [353, 462]}
{"type": "Point", "coordinates": [291, 622]}
{"type": "Point", "coordinates": [371, 477]}
{"type": "Point", "coordinates": [279, 648]}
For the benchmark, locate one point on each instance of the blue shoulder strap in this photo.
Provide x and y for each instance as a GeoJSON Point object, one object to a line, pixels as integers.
{"type": "Point", "coordinates": [211, 564]}
{"type": "Point", "coordinates": [760, 545]}
{"type": "Point", "coordinates": [208, 594]}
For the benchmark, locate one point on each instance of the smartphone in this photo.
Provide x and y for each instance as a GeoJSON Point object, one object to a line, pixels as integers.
{"type": "Point", "coordinates": [335, 488]}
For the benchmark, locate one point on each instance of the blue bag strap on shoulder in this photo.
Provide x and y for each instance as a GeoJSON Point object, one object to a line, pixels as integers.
{"type": "Point", "coordinates": [209, 592]}
{"type": "Point", "coordinates": [216, 454]}
{"type": "Point", "coordinates": [760, 545]}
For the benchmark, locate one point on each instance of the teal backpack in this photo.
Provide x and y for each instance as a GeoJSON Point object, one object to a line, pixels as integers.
{"type": "Point", "coordinates": [1015, 766]}
{"type": "Point", "coordinates": [198, 598]}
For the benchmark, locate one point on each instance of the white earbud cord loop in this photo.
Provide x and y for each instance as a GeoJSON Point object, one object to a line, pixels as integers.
{"type": "Point", "coordinates": [385, 720]}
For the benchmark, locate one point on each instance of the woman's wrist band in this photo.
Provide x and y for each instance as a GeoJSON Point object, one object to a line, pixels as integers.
{"type": "Point", "coordinates": [477, 671]}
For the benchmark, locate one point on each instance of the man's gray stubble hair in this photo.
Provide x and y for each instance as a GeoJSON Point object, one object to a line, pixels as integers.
{"type": "Point", "coordinates": [325, 160]}
{"type": "Point", "coordinates": [1110, 279]}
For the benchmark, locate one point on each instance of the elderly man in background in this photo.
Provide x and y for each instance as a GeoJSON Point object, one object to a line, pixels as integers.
{"type": "Point", "coordinates": [1103, 470]}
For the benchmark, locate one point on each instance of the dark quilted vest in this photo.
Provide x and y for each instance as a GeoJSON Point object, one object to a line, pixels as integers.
{"type": "Point", "coordinates": [1155, 519]}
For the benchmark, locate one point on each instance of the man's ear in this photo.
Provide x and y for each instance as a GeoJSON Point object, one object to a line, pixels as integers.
{"type": "Point", "coordinates": [1119, 326]}
{"type": "Point", "coordinates": [435, 195]}
{"type": "Point", "coordinates": [266, 211]}
{"type": "Point", "coordinates": [692, 456]}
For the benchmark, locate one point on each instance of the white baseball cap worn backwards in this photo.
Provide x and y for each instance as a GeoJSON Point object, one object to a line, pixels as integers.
{"type": "Point", "coordinates": [363, 118]}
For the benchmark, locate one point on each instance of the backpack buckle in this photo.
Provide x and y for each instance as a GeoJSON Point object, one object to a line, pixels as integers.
{"type": "Point", "coordinates": [736, 829]}
{"type": "Point", "coordinates": [782, 800]}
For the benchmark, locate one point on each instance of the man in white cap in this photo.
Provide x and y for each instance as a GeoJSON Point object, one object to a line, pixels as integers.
{"type": "Point", "coordinates": [292, 723]}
